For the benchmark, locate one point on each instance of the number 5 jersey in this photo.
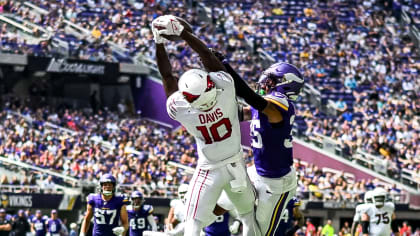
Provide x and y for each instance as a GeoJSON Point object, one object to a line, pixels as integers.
{"type": "Point", "coordinates": [106, 213]}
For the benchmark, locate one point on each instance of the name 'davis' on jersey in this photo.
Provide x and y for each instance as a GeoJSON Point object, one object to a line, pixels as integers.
{"type": "Point", "coordinates": [210, 117]}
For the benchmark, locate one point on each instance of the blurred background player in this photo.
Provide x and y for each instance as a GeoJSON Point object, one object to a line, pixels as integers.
{"type": "Point", "coordinates": [140, 215]}
{"type": "Point", "coordinates": [107, 208]}
{"type": "Point", "coordinates": [5, 224]}
{"type": "Point", "coordinates": [54, 225]}
{"type": "Point", "coordinates": [379, 218]}
{"type": "Point", "coordinates": [20, 224]}
{"type": "Point", "coordinates": [176, 216]}
{"type": "Point", "coordinates": [360, 209]}
{"type": "Point", "coordinates": [291, 219]}
{"type": "Point", "coordinates": [221, 225]}
{"type": "Point", "coordinates": [271, 130]}
{"type": "Point", "coordinates": [204, 103]}
{"type": "Point", "coordinates": [38, 224]}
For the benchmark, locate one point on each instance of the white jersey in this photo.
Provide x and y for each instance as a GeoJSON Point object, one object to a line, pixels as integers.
{"type": "Point", "coordinates": [216, 131]}
{"type": "Point", "coordinates": [360, 209]}
{"type": "Point", "coordinates": [179, 209]}
{"type": "Point", "coordinates": [380, 219]}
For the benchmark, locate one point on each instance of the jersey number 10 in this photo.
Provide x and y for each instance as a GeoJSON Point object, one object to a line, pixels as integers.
{"type": "Point", "coordinates": [215, 132]}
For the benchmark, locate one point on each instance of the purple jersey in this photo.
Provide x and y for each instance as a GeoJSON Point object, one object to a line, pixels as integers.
{"type": "Point", "coordinates": [286, 219]}
{"type": "Point", "coordinates": [220, 227]}
{"type": "Point", "coordinates": [106, 213]}
{"type": "Point", "coordinates": [40, 226]}
{"type": "Point", "coordinates": [272, 144]}
{"type": "Point", "coordinates": [54, 226]}
{"type": "Point", "coordinates": [138, 219]}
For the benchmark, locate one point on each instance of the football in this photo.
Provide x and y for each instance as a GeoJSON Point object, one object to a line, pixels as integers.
{"type": "Point", "coordinates": [187, 27]}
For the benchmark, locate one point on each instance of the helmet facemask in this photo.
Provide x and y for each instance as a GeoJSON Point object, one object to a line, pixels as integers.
{"type": "Point", "coordinates": [107, 192]}
{"type": "Point", "coordinates": [137, 202]}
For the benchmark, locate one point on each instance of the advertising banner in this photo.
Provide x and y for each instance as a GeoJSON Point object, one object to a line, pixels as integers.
{"type": "Point", "coordinates": [35, 200]}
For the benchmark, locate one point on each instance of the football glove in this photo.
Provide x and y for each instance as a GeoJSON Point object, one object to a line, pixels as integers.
{"type": "Point", "coordinates": [168, 25]}
{"type": "Point", "coordinates": [234, 228]}
{"type": "Point", "coordinates": [118, 230]}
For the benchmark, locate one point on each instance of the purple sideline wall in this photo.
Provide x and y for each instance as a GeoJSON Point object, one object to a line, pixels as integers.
{"type": "Point", "coordinates": [150, 98]}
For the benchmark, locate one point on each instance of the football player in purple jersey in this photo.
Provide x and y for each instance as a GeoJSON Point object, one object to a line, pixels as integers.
{"type": "Point", "coordinates": [54, 225]}
{"type": "Point", "coordinates": [291, 219]}
{"type": "Point", "coordinates": [38, 224]}
{"type": "Point", "coordinates": [271, 133]}
{"type": "Point", "coordinates": [140, 215]}
{"type": "Point", "coordinates": [107, 208]}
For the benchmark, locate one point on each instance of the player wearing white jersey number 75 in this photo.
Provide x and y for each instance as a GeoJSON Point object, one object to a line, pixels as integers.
{"type": "Point", "coordinates": [204, 102]}
{"type": "Point", "coordinates": [379, 218]}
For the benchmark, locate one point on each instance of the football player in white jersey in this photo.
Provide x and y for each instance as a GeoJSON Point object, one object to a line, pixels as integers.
{"type": "Point", "coordinates": [204, 102]}
{"type": "Point", "coordinates": [176, 216]}
{"type": "Point", "coordinates": [378, 218]}
{"type": "Point", "coordinates": [360, 209]}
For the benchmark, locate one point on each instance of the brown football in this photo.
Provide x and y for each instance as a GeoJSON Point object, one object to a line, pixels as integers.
{"type": "Point", "coordinates": [187, 27]}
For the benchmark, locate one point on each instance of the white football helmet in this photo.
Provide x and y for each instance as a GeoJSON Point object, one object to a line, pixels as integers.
{"type": "Point", "coordinates": [182, 191]}
{"type": "Point", "coordinates": [198, 89]}
{"type": "Point", "coordinates": [368, 198]}
{"type": "Point", "coordinates": [379, 197]}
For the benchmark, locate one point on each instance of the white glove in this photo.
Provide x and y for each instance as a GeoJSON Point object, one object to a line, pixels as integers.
{"type": "Point", "coordinates": [118, 230]}
{"type": "Point", "coordinates": [234, 228]}
{"type": "Point", "coordinates": [158, 39]}
{"type": "Point", "coordinates": [168, 25]}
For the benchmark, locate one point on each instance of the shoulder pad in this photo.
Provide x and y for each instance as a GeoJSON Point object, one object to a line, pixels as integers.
{"type": "Point", "coordinates": [390, 205]}
{"type": "Point", "coordinates": [91, 197]}
{"type": "Point", "coordinates": [221, 75]}
{"type": "Point", "coordinates": [148, 208]}
{"type": "Point", "coordinates": [174, 103]}
{"type": "Point", "coordinates": [174, 202]}
{"type": "Point", "coordinates": [279, 99]}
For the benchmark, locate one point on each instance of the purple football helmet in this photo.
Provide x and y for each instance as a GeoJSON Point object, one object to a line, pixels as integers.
{"type": "Point", "coordinates": [137, 199]}
{"type": "Point", "coordinates": [281, 77]}
{"type": "Point", "coordinates": [107, 178]}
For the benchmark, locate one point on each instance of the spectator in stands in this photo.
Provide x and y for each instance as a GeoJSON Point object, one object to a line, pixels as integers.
{"type": "Point", "coordinates": [5, 225]}
{"type": "Point", "coordinates": [20, 224]}
{"type": "Point", "coordinates": [48, 185]}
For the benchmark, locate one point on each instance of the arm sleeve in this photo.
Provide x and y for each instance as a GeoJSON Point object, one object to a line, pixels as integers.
{"type": "Point", "coordinates": [152, 222]}
{"type": "Point", "coordinates": [244, 91]}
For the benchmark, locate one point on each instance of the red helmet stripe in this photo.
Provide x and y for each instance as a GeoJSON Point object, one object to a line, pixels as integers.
{"type": "Point", "coordinates": [190, 97]}
{"type": "Point", "coordinates": [210, 83]}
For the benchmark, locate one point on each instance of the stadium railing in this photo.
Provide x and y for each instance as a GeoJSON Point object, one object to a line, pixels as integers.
{"type": "Point", "coordinates": [74, 184]}
{"type": "Point", "coordinates": [365, 159]}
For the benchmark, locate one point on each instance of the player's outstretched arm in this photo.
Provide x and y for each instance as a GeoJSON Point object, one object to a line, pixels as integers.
{"type": "Point", "coordinates": [365, 224]}
{"type": "Point", "coordinates": [256, 101]}
{"type": "Point", "coordinates": [209, 60]}
{"type": "Point", "coordinates": [170, 84]}
{"type": "Point", "coordinates": [152, 222]}
{"type": "Point", "coordinates": [394, 225]}
{"type": "Point", "coordinates": [86, 220]}
{"type": "Point", "coordinates": [124, 219]}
